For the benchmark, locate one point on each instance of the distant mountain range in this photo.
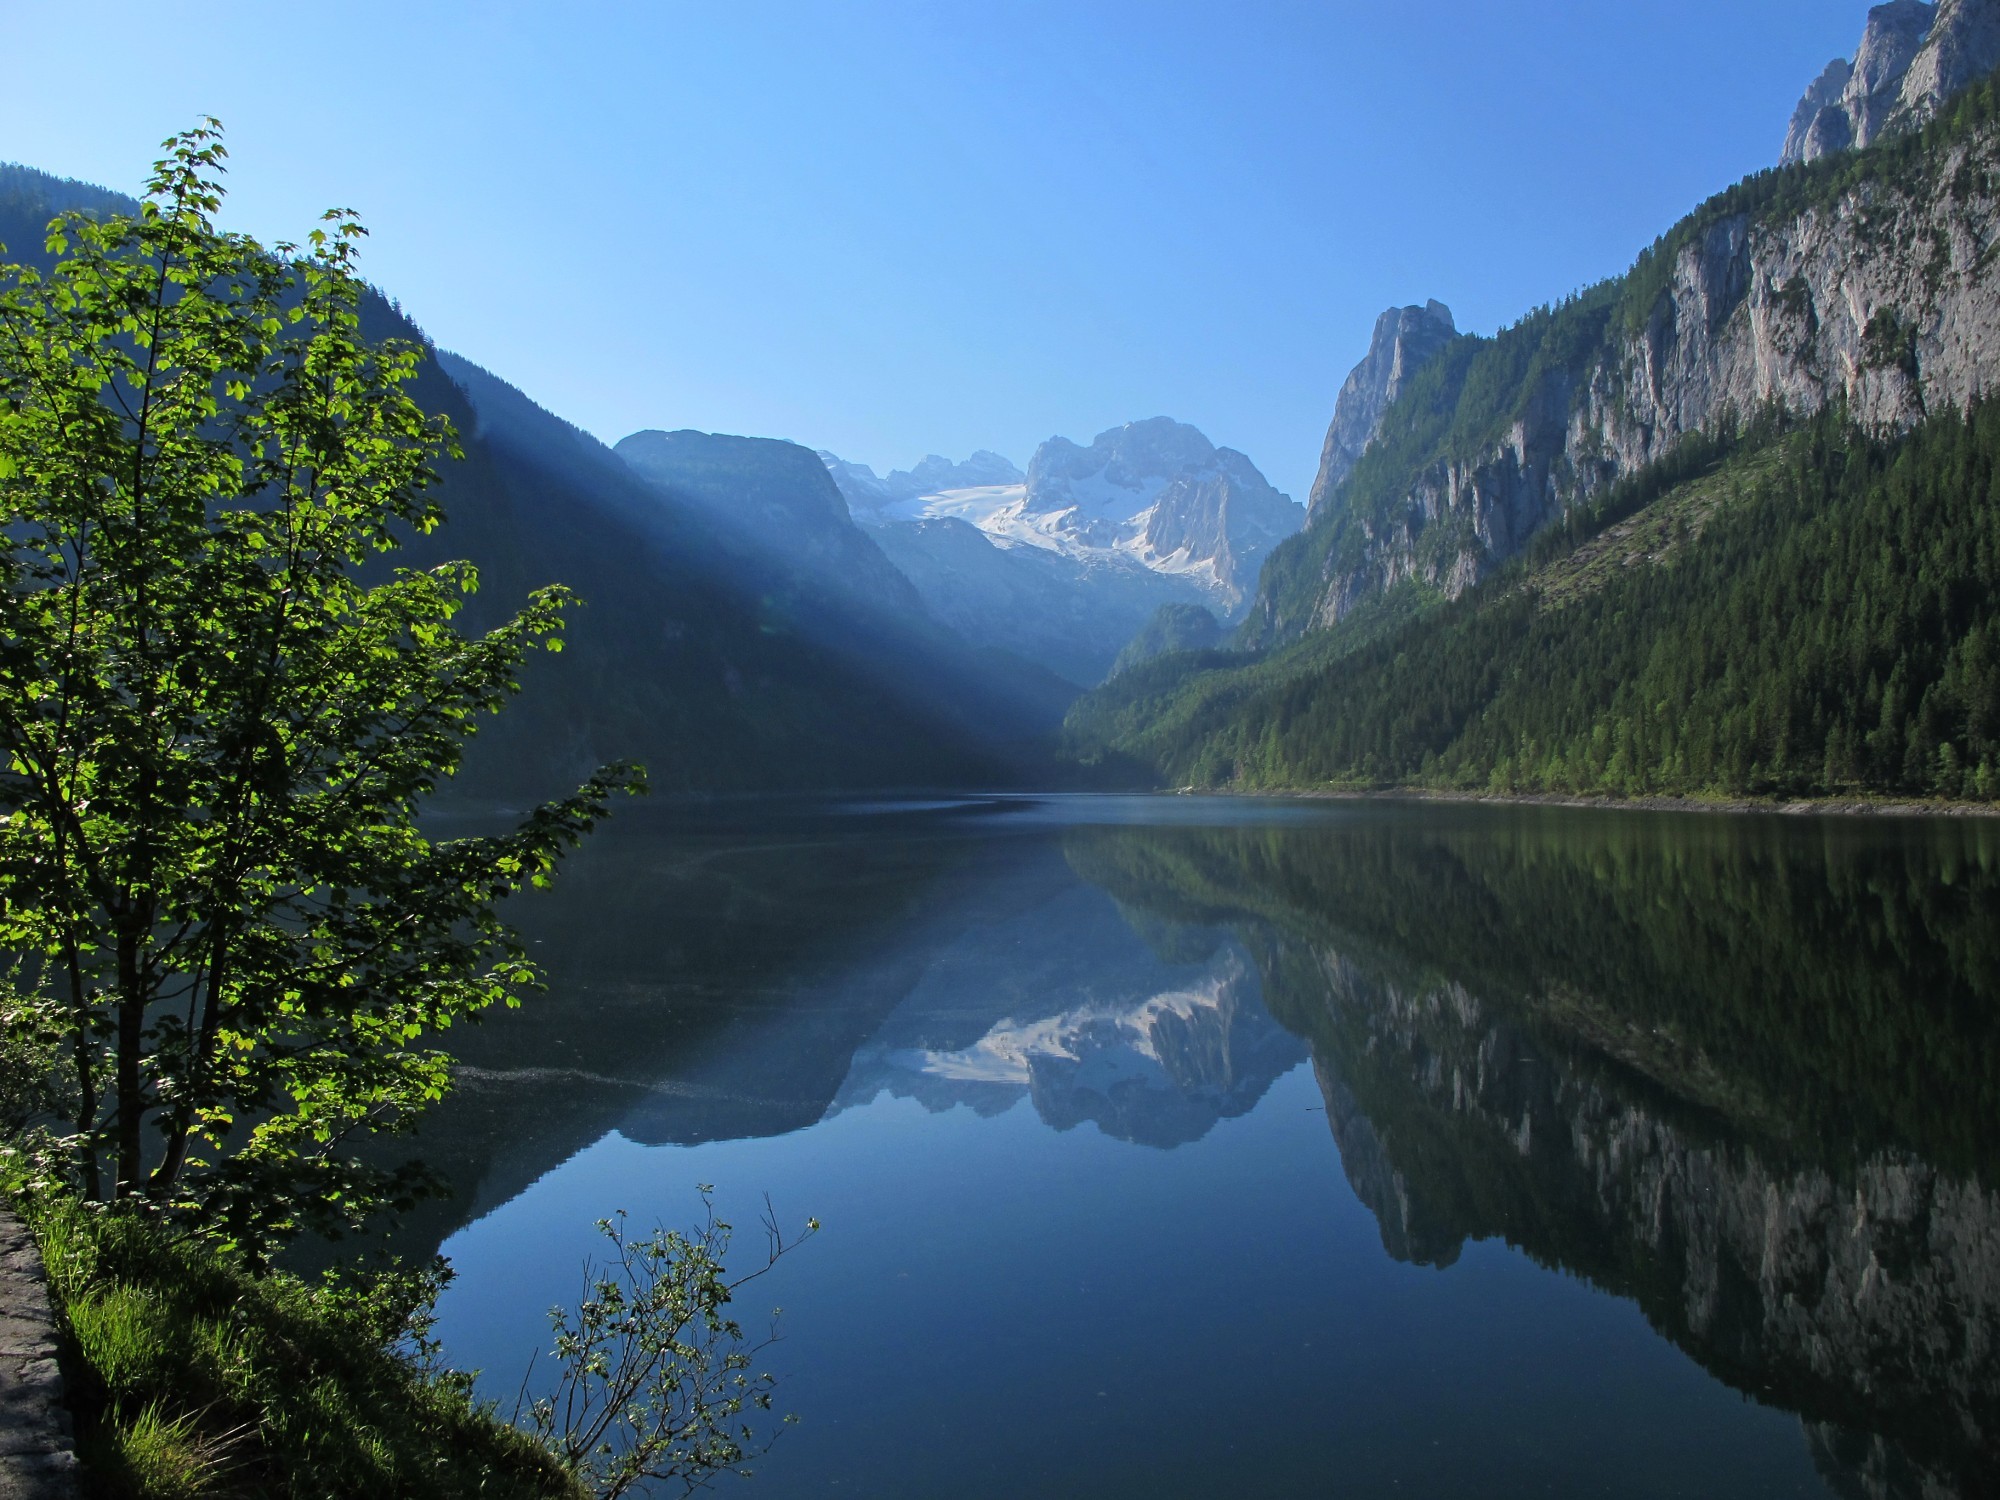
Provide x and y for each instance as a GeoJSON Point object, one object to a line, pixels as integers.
{"type": "Point", "coordinates": [737, 632]}
{"type": "Point", "coordinates": [1068, 563]}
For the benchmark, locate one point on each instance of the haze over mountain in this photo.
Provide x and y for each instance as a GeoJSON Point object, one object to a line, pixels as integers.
{"type": "Point", "coordinates": [1069, 562]}
{"type": "Point", "coordinates": [736, 630]}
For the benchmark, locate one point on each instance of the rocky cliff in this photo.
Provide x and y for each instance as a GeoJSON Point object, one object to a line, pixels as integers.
{"type": "Point", "coordinates": [1865, 281]}
{"type": "Point", "coordinates": [1913, 58]}
{"type": "Point", "coordinates": [1872, 1294]}
{"type": "Point", "coordinates": [1406, 339]}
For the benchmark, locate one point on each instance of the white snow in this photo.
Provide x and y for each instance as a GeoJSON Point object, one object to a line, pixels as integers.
{"type": "Point", "coordinates": [1004, 1054]}
{"type": "Point", "coordinates": [1105, 524]}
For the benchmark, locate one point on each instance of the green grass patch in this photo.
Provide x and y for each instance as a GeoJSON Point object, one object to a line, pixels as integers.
{"type": "Point", "coordinates": [190, 1377]}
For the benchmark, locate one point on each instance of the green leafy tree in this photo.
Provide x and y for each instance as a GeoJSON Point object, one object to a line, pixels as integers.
{"type": "Point", "coordinates": [656, 1382]}
{"type": "Point", "coordinates": [215, 734]}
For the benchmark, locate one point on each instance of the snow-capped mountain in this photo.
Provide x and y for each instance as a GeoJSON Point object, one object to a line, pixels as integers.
{"type": "Point", "coordinates": [1156, 493]}
{"type": "Point", "coordinates": [1152, 1051]}
{"type": "Point", "coordinates": [1085, 547]}
{"type": "Point", "coordinates": [866, 493]}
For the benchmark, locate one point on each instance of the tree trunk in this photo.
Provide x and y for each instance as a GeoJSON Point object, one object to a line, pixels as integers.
{"type": "Point", "coordinates": [131, 1038]}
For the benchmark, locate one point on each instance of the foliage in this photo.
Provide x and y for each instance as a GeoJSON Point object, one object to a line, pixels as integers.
{"type": "Point", "coordinates": [1460, 405]}
{"type": "Point", "coordinates": [1173, 628]}
{"type": "Point", "coordinates": [656, 1382]}
{"type": "Point", "coordinates": [190, 1376]}
{"type": "Point", "coordinates": [1830, 626]}
{"type": "Point", "coordinates": [216, 737]}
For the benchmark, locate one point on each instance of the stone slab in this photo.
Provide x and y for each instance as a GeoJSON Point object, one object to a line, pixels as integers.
{"type": "Point", "coordinates": [37, 1456]}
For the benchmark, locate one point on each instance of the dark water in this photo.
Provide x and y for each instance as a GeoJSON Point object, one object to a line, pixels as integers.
{"type": "Point", "coordinates": [1178, 1147]}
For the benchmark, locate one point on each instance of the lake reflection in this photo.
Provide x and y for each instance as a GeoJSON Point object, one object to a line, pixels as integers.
{"type": "Point", "coordinates": [1190, 1147]}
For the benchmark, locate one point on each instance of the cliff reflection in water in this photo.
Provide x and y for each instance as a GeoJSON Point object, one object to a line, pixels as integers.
{"type": "Point", "coordinates": [1746, 1073]}
{"type": "Point", "coordinates": [1153, 1032]}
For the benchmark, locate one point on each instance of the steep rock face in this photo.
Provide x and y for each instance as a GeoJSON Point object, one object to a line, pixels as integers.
{"type": "Point", "coordinates": [1882, 299]}
{"type": "Point", "coordinates": [1963, 47]}
{"type": "Point", "coordinates": [1406, 339]}
{"type": "Point", "coordinates": [1913, 58]}
{"type": "Point", "coordinates": [1868, 95]}
{"type": "Point", "coordinates": [1819, 124]}
{"type": "Point", "coordinates": [1825, 1291]}
{"type": "Point", "coordinates": [1225, 515]}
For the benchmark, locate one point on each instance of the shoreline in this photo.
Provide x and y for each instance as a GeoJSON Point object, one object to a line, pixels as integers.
{"type": "Point", "coordinates": [1790, 807]}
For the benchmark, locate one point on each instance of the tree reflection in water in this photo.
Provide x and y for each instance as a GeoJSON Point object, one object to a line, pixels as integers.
{"type": "Point", "coordinates": [1745, 1072]}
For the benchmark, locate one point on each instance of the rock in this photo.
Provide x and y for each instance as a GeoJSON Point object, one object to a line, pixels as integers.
{"type": "Point", "coordinates": [1818, 125]}
{"type": "Point", "coordinates": [1406, 339]}
{"type": "Point", "coordinates": [1160, 492]}
{"type": "Point", "coordinates": [1751, 312]}
{"type": "Point", "coordinates": [1962, 48]}
{"type": "Point", "coordinates": [1913, 58]}
{"type": "Point", "coordinates": [37, 1460]}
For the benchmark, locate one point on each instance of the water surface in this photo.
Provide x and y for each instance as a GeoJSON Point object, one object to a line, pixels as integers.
{"type": "Point", "coordinates": [1175, 1146]}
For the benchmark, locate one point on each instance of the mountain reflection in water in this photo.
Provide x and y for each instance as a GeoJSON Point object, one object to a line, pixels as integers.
{"type": "Point", "coordinates": [1743, 1072]}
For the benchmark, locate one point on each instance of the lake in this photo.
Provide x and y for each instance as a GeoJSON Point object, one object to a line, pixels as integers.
{"type": "Point", "coordinates": [1184, 1146]}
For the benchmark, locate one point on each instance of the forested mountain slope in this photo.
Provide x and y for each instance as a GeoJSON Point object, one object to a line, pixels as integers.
{"type": "Point", "coordinates": [706, 658]}
{"type": "Point", "coordinates": [1726, 524]}
{"type": "Point", "coordinates": [1862, 279]}
{"type": "Point", "coordinates": [1818, 613]}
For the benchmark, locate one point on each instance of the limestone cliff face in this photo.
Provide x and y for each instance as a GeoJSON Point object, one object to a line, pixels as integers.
{"type": "Point", "coordinates": [1820, 124]}
{"type": "Point", "coordinates": [1406, 339]}
{"type": "Point", "coordinates": [1856, 113]}
{"type": "Point", "coordinates": [1962, 48]}
{"type": "Point", "coordinates": [1876, 1291]}
{"type": "Point", "coordinates": [1913, 58]}
{"type": "Point", "coordinates": [1884, 299]}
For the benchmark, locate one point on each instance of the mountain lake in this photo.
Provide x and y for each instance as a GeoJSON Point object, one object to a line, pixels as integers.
{"type": "Point", "coordinates": [1173, 1146]}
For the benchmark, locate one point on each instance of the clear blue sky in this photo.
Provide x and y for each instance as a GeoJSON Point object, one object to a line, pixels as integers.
{"type": "Point", "coordinates": [889, 228]}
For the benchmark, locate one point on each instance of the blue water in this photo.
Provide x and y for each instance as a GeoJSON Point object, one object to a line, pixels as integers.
{"type": "Point", "coordinates": [1088, 1225]}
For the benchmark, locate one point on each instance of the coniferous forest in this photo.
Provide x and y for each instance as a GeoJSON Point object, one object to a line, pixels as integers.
{"type": "Point", "coordinates": [1808, 613]}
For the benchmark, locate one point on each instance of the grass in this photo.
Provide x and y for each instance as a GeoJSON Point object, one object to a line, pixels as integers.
{"type": "Point", "coordinates": [190, 1377]}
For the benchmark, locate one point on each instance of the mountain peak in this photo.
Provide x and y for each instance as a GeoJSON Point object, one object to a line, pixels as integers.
{"type": "Point", "coordinates": [1913, 57]}
{"type": "Point", "coordinates": [1406, 339]}
{"type": "Point", "coordinates": [1159, 492]}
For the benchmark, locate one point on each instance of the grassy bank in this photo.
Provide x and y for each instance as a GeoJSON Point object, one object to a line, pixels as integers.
{"type": "Point", "coordinates": [189, 1377]}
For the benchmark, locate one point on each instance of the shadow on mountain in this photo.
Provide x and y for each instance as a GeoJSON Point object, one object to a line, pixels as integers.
{"type": "Point", "coordinates": [1743, 1072]}
{"type": "Point", "coordinates": [699, 647]}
